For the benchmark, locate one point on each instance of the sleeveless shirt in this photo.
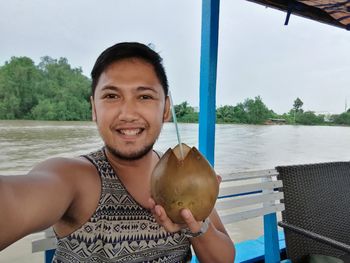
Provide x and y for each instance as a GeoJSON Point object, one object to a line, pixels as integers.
{"type": "Point", "coordinates": [120, 230]}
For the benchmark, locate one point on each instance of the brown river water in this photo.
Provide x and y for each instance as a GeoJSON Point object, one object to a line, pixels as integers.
{"type": "Point", "coordinates": [238, 148]}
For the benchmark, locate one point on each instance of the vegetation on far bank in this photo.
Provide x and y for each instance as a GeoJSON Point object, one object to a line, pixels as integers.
{"type": "Point", "coordinates": [254, 111]}
{"type": "Point", "coordinates": [53, 90]}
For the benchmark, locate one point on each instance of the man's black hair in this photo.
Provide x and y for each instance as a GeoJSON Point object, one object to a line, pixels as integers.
{"type": "Point", "coordinates": [127, 50]}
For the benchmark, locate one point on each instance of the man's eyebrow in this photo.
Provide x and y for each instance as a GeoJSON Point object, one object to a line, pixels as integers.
{"type": "Point", "coordinates": [144, 88]}
{"type": "Point", "coordinates": [109, 87]}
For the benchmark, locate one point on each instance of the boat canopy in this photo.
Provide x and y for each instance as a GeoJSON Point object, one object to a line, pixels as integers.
{"type": "Point", "coordinates": [331, 12]}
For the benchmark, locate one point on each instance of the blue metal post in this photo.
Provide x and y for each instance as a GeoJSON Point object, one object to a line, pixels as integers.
{"type": "Point", "coordinates": [272, 250]}
{"type": "Point", "coordinates": [207, 96]}
{"type": "Point", "coordinates": [49, 255]}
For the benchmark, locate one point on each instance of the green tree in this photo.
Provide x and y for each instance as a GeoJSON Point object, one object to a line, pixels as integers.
{"type": "Point", "coordinates": [257, 112]}
{"type": "Point", "coordinates": [343, 119]}
{"type": "Point", "coordinates": [182, 109]}
{"type": "Point", "coordinates": [296, 110]}
{"type": "Point", "coordinates": [309, 118]}
{"type": "Point", "coordinates": [297, 106]}
{"type": "Point", "coordinates": [64, 90]}
{"type": "Point", "coordinates": [19, 80]}
{"type": "Point", "coordinates": [251, 111]}
{"type": "Point", "coordinates": [240, 114]}
{"type": "Point", "coordinates": [185, 113]}
{"type": "Point", "coordinates": [50, 91]}
{"type": "Point", "coordinates": [225, 114]}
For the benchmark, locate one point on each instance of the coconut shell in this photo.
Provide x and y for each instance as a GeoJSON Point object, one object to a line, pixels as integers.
{"type": "Point", "coordinates": [178, 183]}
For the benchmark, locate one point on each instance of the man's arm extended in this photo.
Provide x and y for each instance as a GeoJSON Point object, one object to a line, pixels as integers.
{"type": "Point", "coordinates": [33, 202]}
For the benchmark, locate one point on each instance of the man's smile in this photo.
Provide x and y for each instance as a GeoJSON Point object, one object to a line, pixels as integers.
{"type": "Point", "coordinates": [130, 131]}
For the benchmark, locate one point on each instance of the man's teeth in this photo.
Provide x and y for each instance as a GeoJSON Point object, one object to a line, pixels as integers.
{"type": "Point", "coordinates": [130, 132]}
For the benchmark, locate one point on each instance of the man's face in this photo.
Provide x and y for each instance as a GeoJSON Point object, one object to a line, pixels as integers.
{"type": "Point", "coordinates": [129, 108]}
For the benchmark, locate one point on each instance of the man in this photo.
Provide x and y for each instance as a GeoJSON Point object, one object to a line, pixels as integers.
{"type": "Point", "coordinates": [100, 204]}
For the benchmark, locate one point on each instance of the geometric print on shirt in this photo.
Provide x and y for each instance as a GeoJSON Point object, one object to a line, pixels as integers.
{"type": "Point", "coordinates": [120, 230]}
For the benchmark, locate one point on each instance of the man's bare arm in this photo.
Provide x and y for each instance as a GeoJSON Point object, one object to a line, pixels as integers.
{"type": "Point", "coordinates": [213, 246]}
{"type": "Point", "coordinates": [33, 202]}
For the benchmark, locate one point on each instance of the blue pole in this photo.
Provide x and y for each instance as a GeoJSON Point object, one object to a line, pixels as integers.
{"type": "Point", "coordinates": [272, 250]}
{"type": "Point", "coordinates": [207, 96]}
{"type": "Point", "coordinates": [49, 255]}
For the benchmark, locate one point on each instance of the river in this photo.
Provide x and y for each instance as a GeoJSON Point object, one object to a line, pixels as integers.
{"type": "Point", "coordinates": [238, 148]}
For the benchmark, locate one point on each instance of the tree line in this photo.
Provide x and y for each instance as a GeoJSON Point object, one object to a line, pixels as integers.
{"type": "Point", "coordinates": [254, 111]}
{"type": "Point", "coordinates": [53, 90]}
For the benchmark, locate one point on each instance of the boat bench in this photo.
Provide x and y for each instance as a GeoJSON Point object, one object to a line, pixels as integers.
{"type": "Point", "coordinates": [246, 195]}
{"type": "Point", "coordinates": [242, 196]}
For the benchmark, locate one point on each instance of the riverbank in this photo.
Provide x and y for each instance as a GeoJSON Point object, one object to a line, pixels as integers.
{"type": "Point", "coordinates": [88, 122]}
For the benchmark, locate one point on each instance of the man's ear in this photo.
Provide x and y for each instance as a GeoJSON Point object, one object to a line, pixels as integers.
{"type": "Point", "coordinates": [93, 110]}
{"type": "Point", "coordinates": [167, 111]}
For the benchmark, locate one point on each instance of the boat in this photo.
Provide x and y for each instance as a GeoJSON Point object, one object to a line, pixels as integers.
{"type": "Point", "coordinates": [333, 13]}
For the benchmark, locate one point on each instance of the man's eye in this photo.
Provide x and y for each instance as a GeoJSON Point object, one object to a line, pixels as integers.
{"type": "Point", "coordinates": [111, 96]}
{"type": "Point", "coordinates": [145, 97]}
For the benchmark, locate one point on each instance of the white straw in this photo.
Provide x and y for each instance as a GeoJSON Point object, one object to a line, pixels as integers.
{"type": "Point", "coordinates": [176, 127]}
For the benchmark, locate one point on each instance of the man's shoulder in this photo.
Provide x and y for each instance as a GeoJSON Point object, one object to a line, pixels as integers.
{"type": "Point", "coordinates": [64, 167]}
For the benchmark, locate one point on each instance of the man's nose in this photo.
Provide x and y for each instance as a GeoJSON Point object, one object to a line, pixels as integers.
{"type": "Point", "coordinates": [128, 111]}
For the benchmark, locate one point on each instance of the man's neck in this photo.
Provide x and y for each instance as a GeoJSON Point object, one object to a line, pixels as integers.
{"type": "Point", "coordinates": [131, 167]}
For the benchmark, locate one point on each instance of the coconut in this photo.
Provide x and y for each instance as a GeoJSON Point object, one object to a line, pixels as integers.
{"type": "Point", "coordinates": [188, 182]}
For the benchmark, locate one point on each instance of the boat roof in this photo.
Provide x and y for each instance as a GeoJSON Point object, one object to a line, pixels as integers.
{"type": "Point", "coordinates": [331, 12]}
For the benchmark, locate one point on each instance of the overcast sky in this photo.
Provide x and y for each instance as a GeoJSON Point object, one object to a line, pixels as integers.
{"type": "Point", "coordinates": [258, 55]}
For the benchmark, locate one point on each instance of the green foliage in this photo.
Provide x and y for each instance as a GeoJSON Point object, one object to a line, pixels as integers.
{"type": "Point", "coordinates": [226, 114]}
{"type": "Point", "coordinates": [309, 118]}
{"type": "Point", "coordinates": [185, 113]}
{"type": "Point", "coordinates": [251, 111]}
{"type": "Point", "coordinates": [297, 115]}
{"type": "Point", "coordinates": [254, 111]}
{"type": "Point", "coordinates": [288, 117]}
{"type": "Point", "coordinates": [50, 91]}
{"type": "Point", "coordinates": [343, 119]}
{"type": "Point", "coordinates": [297, 105]}
{"type": "Point", "coordinates": [18, 85]}
{"type": "Point", "coordinates": [257, 112]}
{"type": "Point", "coordinates": [53, 90]}
{"type": "Point", "coordinates": [190, 118]}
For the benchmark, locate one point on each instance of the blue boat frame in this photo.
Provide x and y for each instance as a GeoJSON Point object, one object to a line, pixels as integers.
{"type": "Point", "coordinates": [207, 107]}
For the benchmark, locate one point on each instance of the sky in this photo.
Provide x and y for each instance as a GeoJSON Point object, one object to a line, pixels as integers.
{"type": "Point", "coordinates": [257, 56]}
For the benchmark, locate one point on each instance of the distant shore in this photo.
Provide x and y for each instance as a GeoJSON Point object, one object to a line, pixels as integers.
{"type": "Point", "coordinates": [182, 122]}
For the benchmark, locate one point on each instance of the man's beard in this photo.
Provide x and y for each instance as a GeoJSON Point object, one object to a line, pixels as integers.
{"type": "Point", "coordinates": [132, 156]}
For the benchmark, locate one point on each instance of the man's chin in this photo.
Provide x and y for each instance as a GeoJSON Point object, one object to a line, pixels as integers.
{"type": "Point", "coordinates": [130, 156]}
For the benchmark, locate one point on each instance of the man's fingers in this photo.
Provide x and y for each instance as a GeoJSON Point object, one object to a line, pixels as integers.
{"type": "Point", "coordinates": [164, 220]}
{"type": "Point", "coordinates": [219, 178]}
{"type": "Point", "coordinates": [190, 221]}
{"type": "Point", "coordinates": [151, 203]}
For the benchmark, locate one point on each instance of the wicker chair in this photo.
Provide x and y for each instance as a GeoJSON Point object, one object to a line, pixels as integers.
{"type": "Point", "coordinates": [316, 219]}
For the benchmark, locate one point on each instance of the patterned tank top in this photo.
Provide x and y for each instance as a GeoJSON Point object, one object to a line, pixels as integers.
{"type": "Point", "coordinates": [120, 230]}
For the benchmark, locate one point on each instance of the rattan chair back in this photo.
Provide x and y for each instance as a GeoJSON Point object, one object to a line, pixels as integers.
{"type": "Point", "coordinates": [316, 198]}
